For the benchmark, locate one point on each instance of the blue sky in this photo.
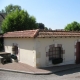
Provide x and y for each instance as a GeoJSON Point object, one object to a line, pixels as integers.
{"type": "Point", "coordinates": [55, 14]}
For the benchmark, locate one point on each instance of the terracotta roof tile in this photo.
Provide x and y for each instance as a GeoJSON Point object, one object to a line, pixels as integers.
{"type": "Point", "coordinates": [42, 33]}
{"type": "Point", "coordinates": [55, 33]}
{"type": "Point", "coordinates": [25, 33]}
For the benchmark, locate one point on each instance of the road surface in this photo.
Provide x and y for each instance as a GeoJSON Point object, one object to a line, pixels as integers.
{"type": "Point", "coordinates": [72, 74]}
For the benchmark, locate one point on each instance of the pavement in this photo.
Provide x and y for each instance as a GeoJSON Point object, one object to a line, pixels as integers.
{"type": "Point", "coordinates": [24, 68]}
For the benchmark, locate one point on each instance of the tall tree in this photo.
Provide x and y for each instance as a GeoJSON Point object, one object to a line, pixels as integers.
{"type": "Point", "coordinates": [14, 13]}
{"type": "Point", "coordinates": [10, 8]}
{"type": "Point", "coordinates": [45, 28]}
{"type": "Point", "coordinates": [74, 26]}
{"type": "Point", "coordinates": [18, 20]}
{"type": "Point", "coordinates": [41, 25]}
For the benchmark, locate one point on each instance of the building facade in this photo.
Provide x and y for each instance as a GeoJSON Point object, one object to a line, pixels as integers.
{"type": "Point", "coordinates": [44, 48]}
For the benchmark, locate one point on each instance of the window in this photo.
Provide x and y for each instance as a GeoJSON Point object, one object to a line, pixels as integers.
{"type": "Point", "coordinates": [15, 49]}
{"type": "Point", "coordinates": [54, 52]}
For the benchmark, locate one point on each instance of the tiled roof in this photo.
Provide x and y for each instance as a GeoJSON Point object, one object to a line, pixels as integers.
{"type": "Point", "coordinates": [25, 33]}
{"type": "Point", "coordinates": [42, 33]}
{"type": "Point", "coordinates": [58, 33]}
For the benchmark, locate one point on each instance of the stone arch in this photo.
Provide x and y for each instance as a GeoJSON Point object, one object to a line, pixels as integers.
{"type": "Point", "coordinates": [75, 50]}
{"type": "Point", "coordinates": [47, 52]}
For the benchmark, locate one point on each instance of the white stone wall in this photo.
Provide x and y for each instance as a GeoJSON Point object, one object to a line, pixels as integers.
{"type": "Point", "coordinates": [68, 45]}
{"type": "Point", "coordinates": [26, 54]}
{"type": "Point", "coordinates": [33, 51]}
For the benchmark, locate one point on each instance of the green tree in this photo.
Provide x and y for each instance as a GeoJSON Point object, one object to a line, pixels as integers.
{"type": "Point", "coordinates": [74, 26]}
{"type": "Point", "coordinates": [45, 28]}
{"type": "Point", "coordinates": [18, 20]}
{"type": "Point", "coordinates": [41, 25]}
{"type": "Point", "coordinates": [14, 13]}
{"type": "Point", "coordinates": [2, 11]}
{"type": "Point", "coordinates": [50, 29]}
{"type": "Point", "coordinates": [10, 8]}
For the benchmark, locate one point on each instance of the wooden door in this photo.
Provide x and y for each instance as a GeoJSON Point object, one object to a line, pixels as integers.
{"type": "Point", "coordinates": [78, 53]}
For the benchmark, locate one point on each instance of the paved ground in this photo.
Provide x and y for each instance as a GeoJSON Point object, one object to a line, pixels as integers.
{"type": "Point", "coordinates": [28, 69]}
{"type": "Point", "coordinates": [72, 74]}
{"type": "Point", "coordinates": [22, 68]}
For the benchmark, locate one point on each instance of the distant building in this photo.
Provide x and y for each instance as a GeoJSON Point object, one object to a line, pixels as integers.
{"type": "Point", "coordinates": [2, 16]}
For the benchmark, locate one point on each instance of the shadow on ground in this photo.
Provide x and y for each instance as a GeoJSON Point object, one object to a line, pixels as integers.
{"type": "Point", "coordinates": [63, 70]}
{"type": "Point", "coordinates": [69, 71]}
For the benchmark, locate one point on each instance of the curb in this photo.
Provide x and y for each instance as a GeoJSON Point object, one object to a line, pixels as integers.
{"type": "Point", "coordinates": [25, 72]}
{"type": "Point", "coordinates": [34, 73]}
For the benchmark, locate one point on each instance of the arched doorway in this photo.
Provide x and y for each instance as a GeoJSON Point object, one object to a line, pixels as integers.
{"type": "Point", "coordinates": [15, 52]}
{"type": "Point", "coordinates": [15, 49]}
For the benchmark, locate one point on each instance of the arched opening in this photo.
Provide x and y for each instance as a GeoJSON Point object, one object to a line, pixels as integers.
{"type": "Point", "coordinates": [15, 52]}
{"type": "Point", "coordinates": [15, 49]}
{"type": "Point", "coordinates": [55, 54]}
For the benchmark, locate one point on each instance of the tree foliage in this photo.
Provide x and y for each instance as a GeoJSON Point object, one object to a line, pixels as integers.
{"type": "Point", "coordinates": [45, 28]}
{"type": "Point", "coordinates": [74, 26]}
{"type": "Point", "coordinates": [41, 25]}
{"type": "Point", "coordinates": [18, 20]}
{"type": "Point", "coordinates": [10, 8]}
